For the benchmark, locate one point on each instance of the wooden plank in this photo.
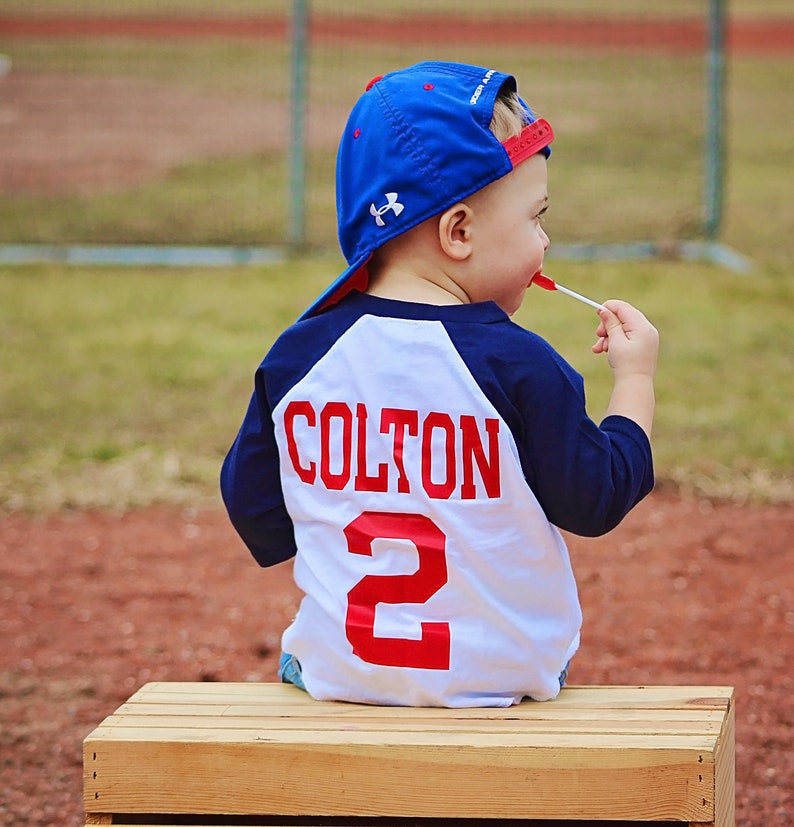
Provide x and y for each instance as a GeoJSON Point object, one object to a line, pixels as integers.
{"type": "Point", "coordinates": [285, 695]}
{"type": "Point", "coordinates": [116, 737]}
{"type": "Point", "coordinates": [447, 781]}
{"type": "Point", "coordinates": [527, 709]}
{"type": "Point", "coordinates": [294, 701]}
{"type": "Point", "coordinates": [725, 773]}
{"type": "Point", "coordinates": [318, 713]}
{"type": "Point", "coordinates": [709, 726]}
{"type": "Point", "coordinates": [245, 821]}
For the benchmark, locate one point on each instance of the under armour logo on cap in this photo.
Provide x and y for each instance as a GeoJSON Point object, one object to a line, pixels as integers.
{"type": "Point", "coordinates": [391, 204]}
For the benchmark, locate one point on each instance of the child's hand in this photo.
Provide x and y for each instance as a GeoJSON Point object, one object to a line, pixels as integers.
{"type": "Point", "coordinates": [628, 338]}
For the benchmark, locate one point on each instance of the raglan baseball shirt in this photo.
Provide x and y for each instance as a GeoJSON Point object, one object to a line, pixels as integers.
{"type": "Point", "coordinates": [418, 461]}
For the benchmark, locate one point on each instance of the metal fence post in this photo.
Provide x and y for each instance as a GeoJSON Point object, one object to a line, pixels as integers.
{"type": "Point", "coordinates": [297, 148]}
{"type": "Point", "coordinates": [714, 149]}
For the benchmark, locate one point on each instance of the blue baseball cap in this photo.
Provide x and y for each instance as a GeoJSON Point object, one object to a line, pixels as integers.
{"type": "Point", "coordinates": [416, 142]}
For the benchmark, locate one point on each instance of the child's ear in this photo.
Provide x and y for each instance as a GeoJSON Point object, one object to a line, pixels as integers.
{"type": "Point", "coordinates": [455, 231]}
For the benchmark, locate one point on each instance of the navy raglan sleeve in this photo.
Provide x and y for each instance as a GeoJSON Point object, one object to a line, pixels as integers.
{"type": "Point", "coordinates": [251, 473]}
{"type": "Point", "coordinates": [585, 476]}
{"type": "Point", "coordinates": [251, 485]}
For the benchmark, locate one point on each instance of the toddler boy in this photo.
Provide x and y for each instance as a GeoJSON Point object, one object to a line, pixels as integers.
{"type": "Point", "coordinates": [415, 450]}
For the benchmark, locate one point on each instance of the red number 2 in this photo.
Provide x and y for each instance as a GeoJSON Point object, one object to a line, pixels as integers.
{"type": "Point", "coordinates": [431, 651]}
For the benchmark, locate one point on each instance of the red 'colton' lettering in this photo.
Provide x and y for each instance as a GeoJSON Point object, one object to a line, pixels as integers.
{"type": "Point", "coordinates": [437, 452]}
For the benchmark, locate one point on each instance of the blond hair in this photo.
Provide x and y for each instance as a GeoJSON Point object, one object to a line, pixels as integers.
{"type": "Point", "coordinates": [509, 116]}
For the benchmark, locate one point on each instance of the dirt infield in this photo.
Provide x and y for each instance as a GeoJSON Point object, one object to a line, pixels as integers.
{"type": "Point", "coordinates": [95, 605]}
{"type": "Point", "coordinates": [764, 36]}
{"type": "Point", "coordinates": [78, 134]}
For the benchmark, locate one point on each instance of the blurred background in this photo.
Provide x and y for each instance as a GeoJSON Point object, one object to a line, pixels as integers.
{"type": "Point", "coordinates": [220, 128]}
{"type": "Point", "coordinates": [142, 140]}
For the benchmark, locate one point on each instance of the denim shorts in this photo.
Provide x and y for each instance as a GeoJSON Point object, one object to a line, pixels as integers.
{"type": "Point", "coordinates": [289, 670]}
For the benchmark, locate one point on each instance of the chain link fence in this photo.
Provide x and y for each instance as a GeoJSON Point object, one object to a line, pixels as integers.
{"type": "Point", "coordinates": [184, 123]}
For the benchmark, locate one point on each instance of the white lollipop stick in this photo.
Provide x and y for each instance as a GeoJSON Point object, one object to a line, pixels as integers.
{"type": "Point", "coordinates": [548, 283]}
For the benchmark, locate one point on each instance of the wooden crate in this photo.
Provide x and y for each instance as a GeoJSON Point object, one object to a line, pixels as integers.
{"type": "Point", "coordinates": [253, 753]}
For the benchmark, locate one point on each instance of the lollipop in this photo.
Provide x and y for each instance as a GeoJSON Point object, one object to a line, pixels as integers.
{"type": "Point", "coordinates": [549, 284]}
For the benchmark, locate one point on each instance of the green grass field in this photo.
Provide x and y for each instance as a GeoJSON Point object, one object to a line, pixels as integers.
{"type": "Point", "coordinates": [125, 386]}
{"type": "Point", "coordinates": [121, 387]}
